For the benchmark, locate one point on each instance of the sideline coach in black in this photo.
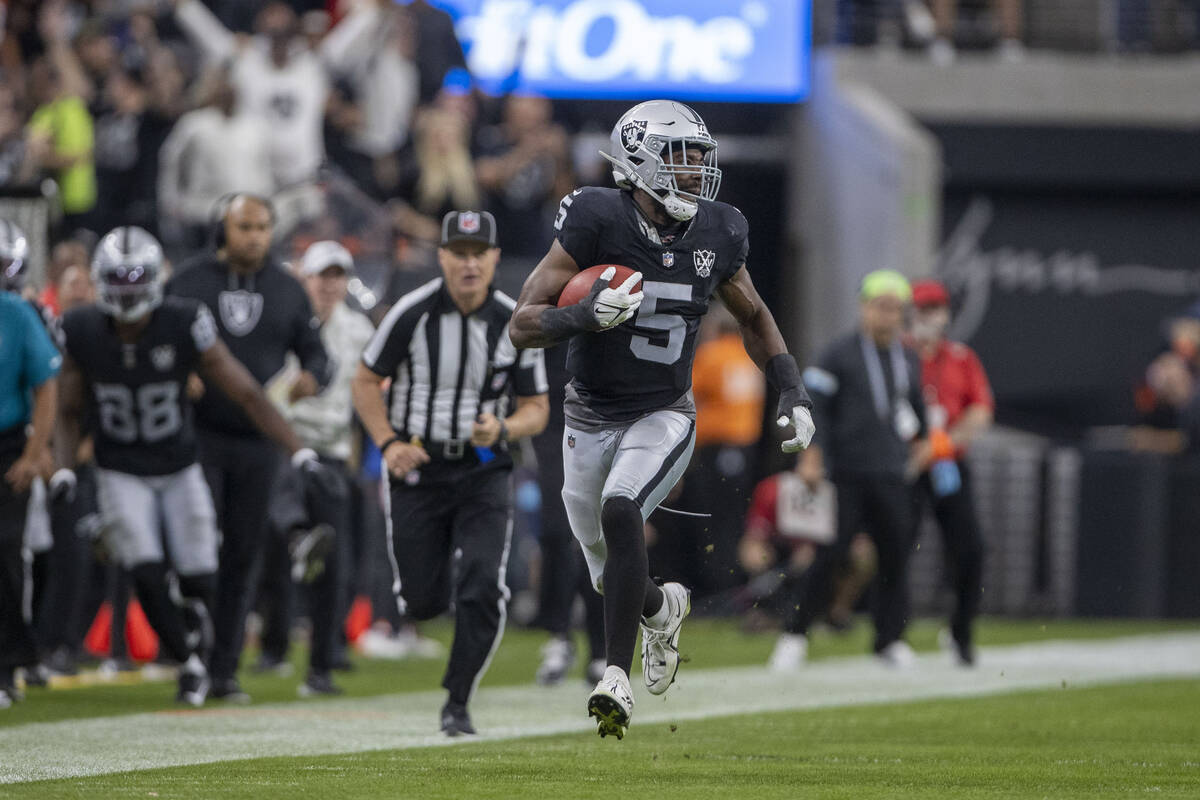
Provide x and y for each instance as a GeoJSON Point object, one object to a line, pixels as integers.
{"type": "Point", "coordinates": [262, 313]}
{"type": "Point", "coordinates": [869, 407]}
{"type": "Point", "coordinates": [444, 433]}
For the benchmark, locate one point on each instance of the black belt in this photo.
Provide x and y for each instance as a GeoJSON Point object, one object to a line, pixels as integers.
{"type": "Point", "coordinates": [448, 449]}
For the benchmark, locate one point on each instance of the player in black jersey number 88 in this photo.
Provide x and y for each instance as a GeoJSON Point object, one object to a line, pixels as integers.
{"type": "Point", "coordinates": [630, 417]}
{"type": "Point", "coordinates": [128, 358]}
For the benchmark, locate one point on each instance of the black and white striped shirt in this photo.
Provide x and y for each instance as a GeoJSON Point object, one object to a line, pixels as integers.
{"type": "Point", "coordinates": [446, 368]}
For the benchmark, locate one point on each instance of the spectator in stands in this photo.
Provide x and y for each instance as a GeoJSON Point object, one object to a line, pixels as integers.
{"type": "Point", "coordinates": [60, 137]}
{"type": "Point", "coordinates": [784, 527]}
{"type": "Point", "coordinates": [1165, 398]}
{"type": "Point", "coordinates": [729, 391]}
{"type": "Point", "coordinates": [438, 48]}
{"type": "Point", "coordinates": [67, 255]}
{"type": "Point", "coordinates": [958, 407]}
{"type": "Point", "coordinates": [129, 136]}
{"type": "Point", "coordinates": [945, 16]}
{"type": "Point", "coordinates": [869, 409]}
{"type": "Point", "coordinates": [436, 175]}
{"type": "Point", "coordinates": [523, 166]}
{"type": "Point", "coordinates": [279, 83]}
{"type": "Point", "coordinates": [375, 58]}
{"type": "Point", "coordinates": [16, 169]}
{"type": "Point", "coordinates": [211, 152]}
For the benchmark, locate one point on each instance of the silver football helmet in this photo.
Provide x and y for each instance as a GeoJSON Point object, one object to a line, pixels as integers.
{"type": "Point", "coordinates": [649, 151]}
{"type": "Point", "coordinates": [14, 257]}
{"type": "Point", "coordinates": [127, 269]}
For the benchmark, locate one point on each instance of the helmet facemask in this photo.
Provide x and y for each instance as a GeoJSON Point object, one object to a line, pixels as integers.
{"type": "Point", "coordinates": [127, 269]}
{"type": "Point", "coordinates": [12, 274]}
{"type": "Point", "coordinates": [127, 292]}
{"type": "Point", "coordinates": [649, 151]}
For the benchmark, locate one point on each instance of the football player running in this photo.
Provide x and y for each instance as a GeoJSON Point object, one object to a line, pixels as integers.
{"type": "Point", "coordinates": [127, 362]}
{"type": "Point", "coordinates": [630, 418]}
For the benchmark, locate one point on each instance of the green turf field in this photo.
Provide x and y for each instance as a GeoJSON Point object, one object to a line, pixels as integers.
{"type": "Point", "coordinates": [1123, 740]}
{"type": "Point", "coordinates": [708, 643]}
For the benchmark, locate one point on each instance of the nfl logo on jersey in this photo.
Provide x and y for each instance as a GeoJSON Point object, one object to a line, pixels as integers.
{"type": "Point", "coordinates": [704, 262]}
{"type": "Point", "coordinates": [668, 260]}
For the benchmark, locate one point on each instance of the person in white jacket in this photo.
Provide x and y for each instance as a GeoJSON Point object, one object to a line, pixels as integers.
{"type": "Point", "coordinates": [210, 153]}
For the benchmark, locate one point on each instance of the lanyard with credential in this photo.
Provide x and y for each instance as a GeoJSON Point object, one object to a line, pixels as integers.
{"type": "Point", "coordinates": [879, 391]}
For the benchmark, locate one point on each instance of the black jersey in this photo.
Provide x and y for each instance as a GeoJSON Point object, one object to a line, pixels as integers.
{"type": "Point", "coordinates": [646, 363]}
{"type": "Point", "coordinates": [137, 393]}
{"type": "Point", "coordinates": [260, 317]}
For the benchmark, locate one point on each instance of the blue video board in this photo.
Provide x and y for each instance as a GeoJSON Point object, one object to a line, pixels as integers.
{"type": "Point", "coordinates": [736, 50]}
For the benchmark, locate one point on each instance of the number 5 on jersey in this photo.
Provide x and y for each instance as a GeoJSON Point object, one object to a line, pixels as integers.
{"type": "Point", "coordinates": [649, 317]}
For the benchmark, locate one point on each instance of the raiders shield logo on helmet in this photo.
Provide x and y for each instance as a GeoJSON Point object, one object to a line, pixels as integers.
{"type": "Point", "coordinates": [704, 262]}
{"type": "Point", "coordinates": [240, 311]}
{"type": "Point", "coordinates": [632, 133]}
{"type": "Point", "coordinates": [163, 357]}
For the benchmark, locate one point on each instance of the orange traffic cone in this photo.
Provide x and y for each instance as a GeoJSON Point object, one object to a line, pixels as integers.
{"type": "Point", "coordinates": [98, 640]}
{"type": "Point", "coordinates": [359, 618]}
{"type": "Point", "coordinates": [139, 636]}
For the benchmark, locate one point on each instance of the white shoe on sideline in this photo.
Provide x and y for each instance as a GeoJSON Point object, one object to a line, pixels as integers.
{"type": "Point", "coordinates": [897, 655]}
{"type": "Point", "coordinates": [790, 653]}
{"type": "Point", "coordinates": [660, 646]}
{"type": "Point", "coordinates": [558, 656]}
{"type": "Point", "coordinates": [611, 703]}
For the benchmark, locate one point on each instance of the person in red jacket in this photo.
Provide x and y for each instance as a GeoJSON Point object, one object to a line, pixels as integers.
{"type": "Point", "coordinates": [959, 406]}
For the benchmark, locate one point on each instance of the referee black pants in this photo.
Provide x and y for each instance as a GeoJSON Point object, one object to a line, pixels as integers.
{"type": "Point", "coordinates": [17, 647]}
{"type": "Point", "coordinates": [240, 471]}
{"type": "Point", "coordinates": [450, 541]}
{"type": "Point", "coordinates": [963, 545]}
{"type": "Point", "coordinates": [881, 506]}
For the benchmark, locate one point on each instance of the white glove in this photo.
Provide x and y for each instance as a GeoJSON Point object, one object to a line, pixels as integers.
{"type": "Point", "coordinates": [62, 486]}
{"type": "Point", "coordinates": [802, 421]}
{"type": "Point", "coordinates": [611, 306]}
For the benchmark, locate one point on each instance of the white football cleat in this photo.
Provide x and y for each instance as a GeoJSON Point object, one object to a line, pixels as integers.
{"type": "Point", "coordinates": [897, 655]}
{"type": "Point", "coordinates": [660, 647]}
{"type": "Point", "coordinates": [558, 656]}
{"type": "Point", "coordinates": [790, 653]}
{"type": "Point", "coordinates": [611, 703]}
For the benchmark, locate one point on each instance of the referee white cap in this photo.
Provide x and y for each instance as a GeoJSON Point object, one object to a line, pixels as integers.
{"type": "Point", "coordinates": [322, 255]}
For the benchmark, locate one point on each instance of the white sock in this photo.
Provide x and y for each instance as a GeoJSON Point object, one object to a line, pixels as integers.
{"type": "Point", "coordinates": [658, 619]}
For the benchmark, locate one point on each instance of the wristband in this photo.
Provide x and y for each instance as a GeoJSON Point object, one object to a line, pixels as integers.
{"type": "Point", "coordinates": [388, 443]}
{"type": "Point", "coordinates": [503, 431]}
{"type": "Point", "coordinates": [784, 376]}
{"type": "Point", "coordinates": [563, 323]}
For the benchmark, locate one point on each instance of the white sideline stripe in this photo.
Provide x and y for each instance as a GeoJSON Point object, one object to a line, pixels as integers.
{"type": "Point", "coordinates": [76, 748]}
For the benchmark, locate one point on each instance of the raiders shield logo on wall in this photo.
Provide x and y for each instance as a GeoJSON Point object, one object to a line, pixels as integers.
{"type": "Point", "coordinates": [704, 262]}
{"type": "Point", "coordinates": [632, 133]}
{"type": "Point", "coordinates": [240, 311]}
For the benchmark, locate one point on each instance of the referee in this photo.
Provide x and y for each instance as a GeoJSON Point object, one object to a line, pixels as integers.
{"type": "Point", "coordinates": [444, 435]}
{"type": "Point", "coordinates": [262, 314]}
{"type": "Point", "coordinates": [28, 394]}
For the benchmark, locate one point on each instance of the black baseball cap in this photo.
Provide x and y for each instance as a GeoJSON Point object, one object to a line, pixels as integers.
{"type": "Point", "coordinates": [469, 226]}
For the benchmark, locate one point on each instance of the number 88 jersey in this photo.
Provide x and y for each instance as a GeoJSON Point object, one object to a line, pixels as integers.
{"type": "Point", "coordinates": [645, 364]}
{"type": "Point", "coordinates": [141, 418]}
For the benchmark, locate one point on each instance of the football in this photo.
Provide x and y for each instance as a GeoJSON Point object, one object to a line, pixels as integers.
{"type": "Point", "coordinates": [578, 287]}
